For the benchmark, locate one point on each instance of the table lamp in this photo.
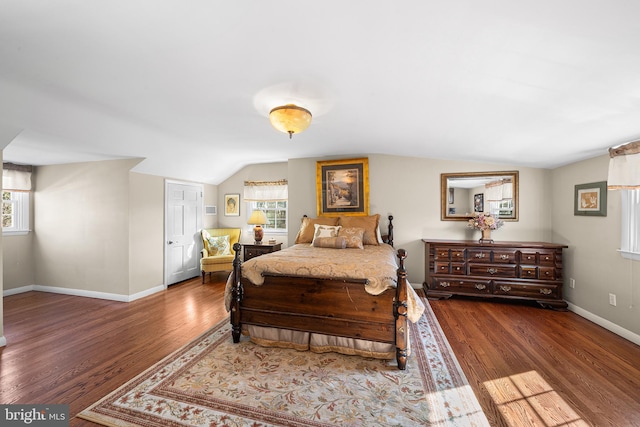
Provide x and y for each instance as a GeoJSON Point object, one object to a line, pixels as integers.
{"type": "Point", "coordinates": [258, 218]}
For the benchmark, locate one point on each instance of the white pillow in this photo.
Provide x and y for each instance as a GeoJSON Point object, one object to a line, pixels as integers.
{"type": "Point", "coordinates": [325, 231]}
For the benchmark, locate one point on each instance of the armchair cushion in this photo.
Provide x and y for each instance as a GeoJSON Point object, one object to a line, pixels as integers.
{"type": "Point", "coordinates": [219, 245]}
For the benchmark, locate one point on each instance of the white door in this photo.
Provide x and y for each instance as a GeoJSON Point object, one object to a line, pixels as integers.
{"type": "Point", "coordinates": [183, 221]}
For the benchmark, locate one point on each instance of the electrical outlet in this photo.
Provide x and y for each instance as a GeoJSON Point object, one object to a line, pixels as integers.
{"type": "Point", "coordinates": [612, 299]}
{"type": "Point", "coordinates": [572, 283]}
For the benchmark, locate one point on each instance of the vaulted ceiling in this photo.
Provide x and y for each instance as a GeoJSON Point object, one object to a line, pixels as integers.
{"type": "Point", "coordinates": [187, 85]}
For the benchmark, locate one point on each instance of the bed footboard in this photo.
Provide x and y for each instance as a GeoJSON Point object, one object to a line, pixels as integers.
{"type": "Point", "coordinates": [299, 303]}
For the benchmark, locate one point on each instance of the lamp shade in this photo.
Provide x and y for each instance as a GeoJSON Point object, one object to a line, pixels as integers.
{"type": "Point", "coordinates": [290, 119]}
{"type": "Point", "coordinates": [257, 218]}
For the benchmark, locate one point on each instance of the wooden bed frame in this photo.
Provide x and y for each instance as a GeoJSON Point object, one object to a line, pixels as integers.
{"type": "Point", "coordinates": [339, 307]}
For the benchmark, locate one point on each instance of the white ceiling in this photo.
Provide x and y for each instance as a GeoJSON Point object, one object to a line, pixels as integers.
{"type": "Point", "coordinates": [187, 85]}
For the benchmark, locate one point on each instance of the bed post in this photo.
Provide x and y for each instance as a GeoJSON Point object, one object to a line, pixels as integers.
{"type": "Point", "coordinates": [400, 312]}
{"type": "Point", "coordinates": [390, 233]}
{"type": "Point", "coordinates": [236, 295]}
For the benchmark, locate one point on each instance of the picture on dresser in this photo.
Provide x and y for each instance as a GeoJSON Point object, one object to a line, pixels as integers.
{"type": "Point", "coordinates": [590, 199]}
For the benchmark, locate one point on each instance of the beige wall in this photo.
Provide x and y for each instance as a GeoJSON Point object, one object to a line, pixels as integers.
{"type": "Point", "coordinates": [235, 184]}
{"type": "Point", "coordinates": [592, 258]}
{"type": "Point", "coordinates": [146, 236]}
{"type": "Point", "coordinates": [81, 226]}
{"type": "Point", "coordinates": [114, 213]}
{"type": "Point", "coordinates": [409, 189]}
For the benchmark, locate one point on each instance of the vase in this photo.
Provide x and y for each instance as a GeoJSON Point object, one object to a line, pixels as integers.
{"type": "Point", "coordinates": [486, 236]}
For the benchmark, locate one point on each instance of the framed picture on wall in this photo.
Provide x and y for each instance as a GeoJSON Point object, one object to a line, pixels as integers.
{"type": "Point", "coordinates": [478, 202]}
{"type": "Point", "coordinates": [590, 199]}
{"type": "Point", "coordinates": [232, 205]}
{"type": "Point", "coordinates": [342, 187]}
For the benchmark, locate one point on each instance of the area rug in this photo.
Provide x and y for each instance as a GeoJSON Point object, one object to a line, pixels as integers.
{"type": "Point", "coordinates": [213, 382]}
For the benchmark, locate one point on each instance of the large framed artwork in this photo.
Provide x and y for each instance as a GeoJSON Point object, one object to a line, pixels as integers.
{"type": "Point", "coordinates": [342, 187]}
{"type": "Point", "coordinates": [590, 199]}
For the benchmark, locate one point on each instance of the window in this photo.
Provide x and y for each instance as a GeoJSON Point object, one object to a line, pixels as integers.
{"type": "Point", "coordinates": [15, 212]}
{"type": "Point", "coordinates": [276, 212]}
{"type": "Point", "coordinates": [271, 197]}
{"type": "Point", "coordinates": [630, 240]}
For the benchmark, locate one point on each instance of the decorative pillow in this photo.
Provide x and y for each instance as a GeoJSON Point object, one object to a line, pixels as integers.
{"type": "Point", "coordinates": [307, 229]}
{"type": "Point", "coordinates": [325, 231]}
{"type": "Point", "coordinates": [369, 223]}
{"type": "Point", "coordinates": [330, 242]}
{"type": "Point", "coordinates": [353, 236]}
{"type": "Point", "coordinates": [219, 245]}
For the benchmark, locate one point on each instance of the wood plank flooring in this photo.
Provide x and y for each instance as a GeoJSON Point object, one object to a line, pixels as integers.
{"type": "Point", "coordinates": [528, 366]}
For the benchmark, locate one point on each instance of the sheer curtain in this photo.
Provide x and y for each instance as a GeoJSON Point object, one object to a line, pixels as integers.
{"type": "Point", "coordinates": [624, 174]}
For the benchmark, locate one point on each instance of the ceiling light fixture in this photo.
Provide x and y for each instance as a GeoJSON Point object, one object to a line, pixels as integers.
{"type": "Point", "coordinates": [290, 119]}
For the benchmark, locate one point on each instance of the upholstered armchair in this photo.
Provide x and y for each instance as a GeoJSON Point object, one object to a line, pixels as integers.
{"type": "Point", "coordinates": [217, 252]}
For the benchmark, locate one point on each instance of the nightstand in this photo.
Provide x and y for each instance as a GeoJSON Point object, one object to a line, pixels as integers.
{"type": "Point", "coordinates": [253, 250]}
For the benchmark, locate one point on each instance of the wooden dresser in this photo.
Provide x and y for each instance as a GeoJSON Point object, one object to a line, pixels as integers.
{"type": "Point", "coordinates": [511, 270]}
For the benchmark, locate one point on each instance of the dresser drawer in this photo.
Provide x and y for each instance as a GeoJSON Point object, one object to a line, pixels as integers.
{"type": "Point", "coordinates": [457, 255]}
{"type": "Point", "coordinates": [546, 258]}
{"type": "Point", "coordinates": [547, 273]}
{"type": "Point", "coordinates": [528, 257]}
{"type": "Point", "coordinates": [504, 256]}
{"type": "Point", "coordinates": [458, 268]}
{"type": "Point", "coordinates": [529, 290]}
{"type": "Point", "coordinates": [441, 253]}
{"type": "Point", "coordinates": [479, 255]}
{"type": "Point", "coordinates": [528, 272]}
{"type": "Point", "coordinates": [462, 286]}
{"type": "Point", "coordinates": [441, 267]}
{"type": "Point", "coordinates": [492, 270]}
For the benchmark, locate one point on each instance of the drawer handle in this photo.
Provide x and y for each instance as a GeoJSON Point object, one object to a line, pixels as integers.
{"type": "Point", "coordinates": [504, 256]}
{"type": "Point", "coordinates": [458, 268]}
{"type": "Point", "coordinates": [480, 286]}
{"type": "Point", "coordinates": [492, 270]}
{"type": "Point", "coordinates": [480, 255]}
{"type": "Point", "coordinates": [547, 273]}
{"type": "Point", "coordinates": [545, 291]}
{"type": "Point", "coordinates": [505, 288]}
{"type": "Point", "coordinates": [529, 257]}
{"type": "Point", "coordinates": [529, 272]}
{"type": "Point", "coordinates": [445, 284]}
{"type": "Point", "coordinates": [458, 255]}
{"type": "Point", "coordinates": [547, 258]}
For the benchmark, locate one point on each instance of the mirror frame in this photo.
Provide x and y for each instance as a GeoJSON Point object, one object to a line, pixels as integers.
{"type": "Point", "coordinates": [444, 193]}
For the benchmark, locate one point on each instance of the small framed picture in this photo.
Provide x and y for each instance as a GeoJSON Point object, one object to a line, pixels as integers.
{"type": "Point", "coordinates": [590, 199]}
{"type": "Point", "coordinates": [232, 205]}
{"type": "Point", "coordinates": [478, 202]}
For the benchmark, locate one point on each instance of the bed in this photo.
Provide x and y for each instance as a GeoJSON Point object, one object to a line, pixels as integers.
{"type": "Point", "coordinates": [325, 295]}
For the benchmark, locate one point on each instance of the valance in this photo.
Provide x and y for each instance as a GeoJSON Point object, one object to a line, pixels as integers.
{"type": "Point", "coordinates": [266, 190]}
{"type": "Point", "coordinates": [499, 190]}
{"type": "Point", "coordinates": [624, 167]}
{"type": "Point", "coordinates": [16, 177]}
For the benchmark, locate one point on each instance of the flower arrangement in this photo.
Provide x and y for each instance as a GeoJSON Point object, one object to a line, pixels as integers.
{"type": "Point", "coordinates": [485, 221]}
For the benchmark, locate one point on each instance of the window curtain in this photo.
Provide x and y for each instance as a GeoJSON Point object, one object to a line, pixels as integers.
{"type": "Point", "coordinates": [266, 190]}
{"type": "Point", "coordinates": [16, 177]}
{"type": "Point", "coordinates": [624, 167]}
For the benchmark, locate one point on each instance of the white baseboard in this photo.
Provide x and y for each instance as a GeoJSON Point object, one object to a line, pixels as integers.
{"type": "Point", "coordinates": [618, 330]}
{"type": "Point", "coordinates": [3, 341]}
{"type": "Point", "coordinates": [84, 293]}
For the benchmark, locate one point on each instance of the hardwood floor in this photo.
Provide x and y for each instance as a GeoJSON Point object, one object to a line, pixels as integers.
{"type": "Point", "coordinates": [536, 367]}
{"type": "Point", "coordinates": [527, 365]}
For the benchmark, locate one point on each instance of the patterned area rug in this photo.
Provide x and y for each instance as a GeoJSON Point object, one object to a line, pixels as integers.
{"type": "Point", "coordinates": [213, 382]}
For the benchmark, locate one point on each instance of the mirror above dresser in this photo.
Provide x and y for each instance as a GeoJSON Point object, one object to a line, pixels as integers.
{"type": "Point", "coordinates": [465, 193]}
